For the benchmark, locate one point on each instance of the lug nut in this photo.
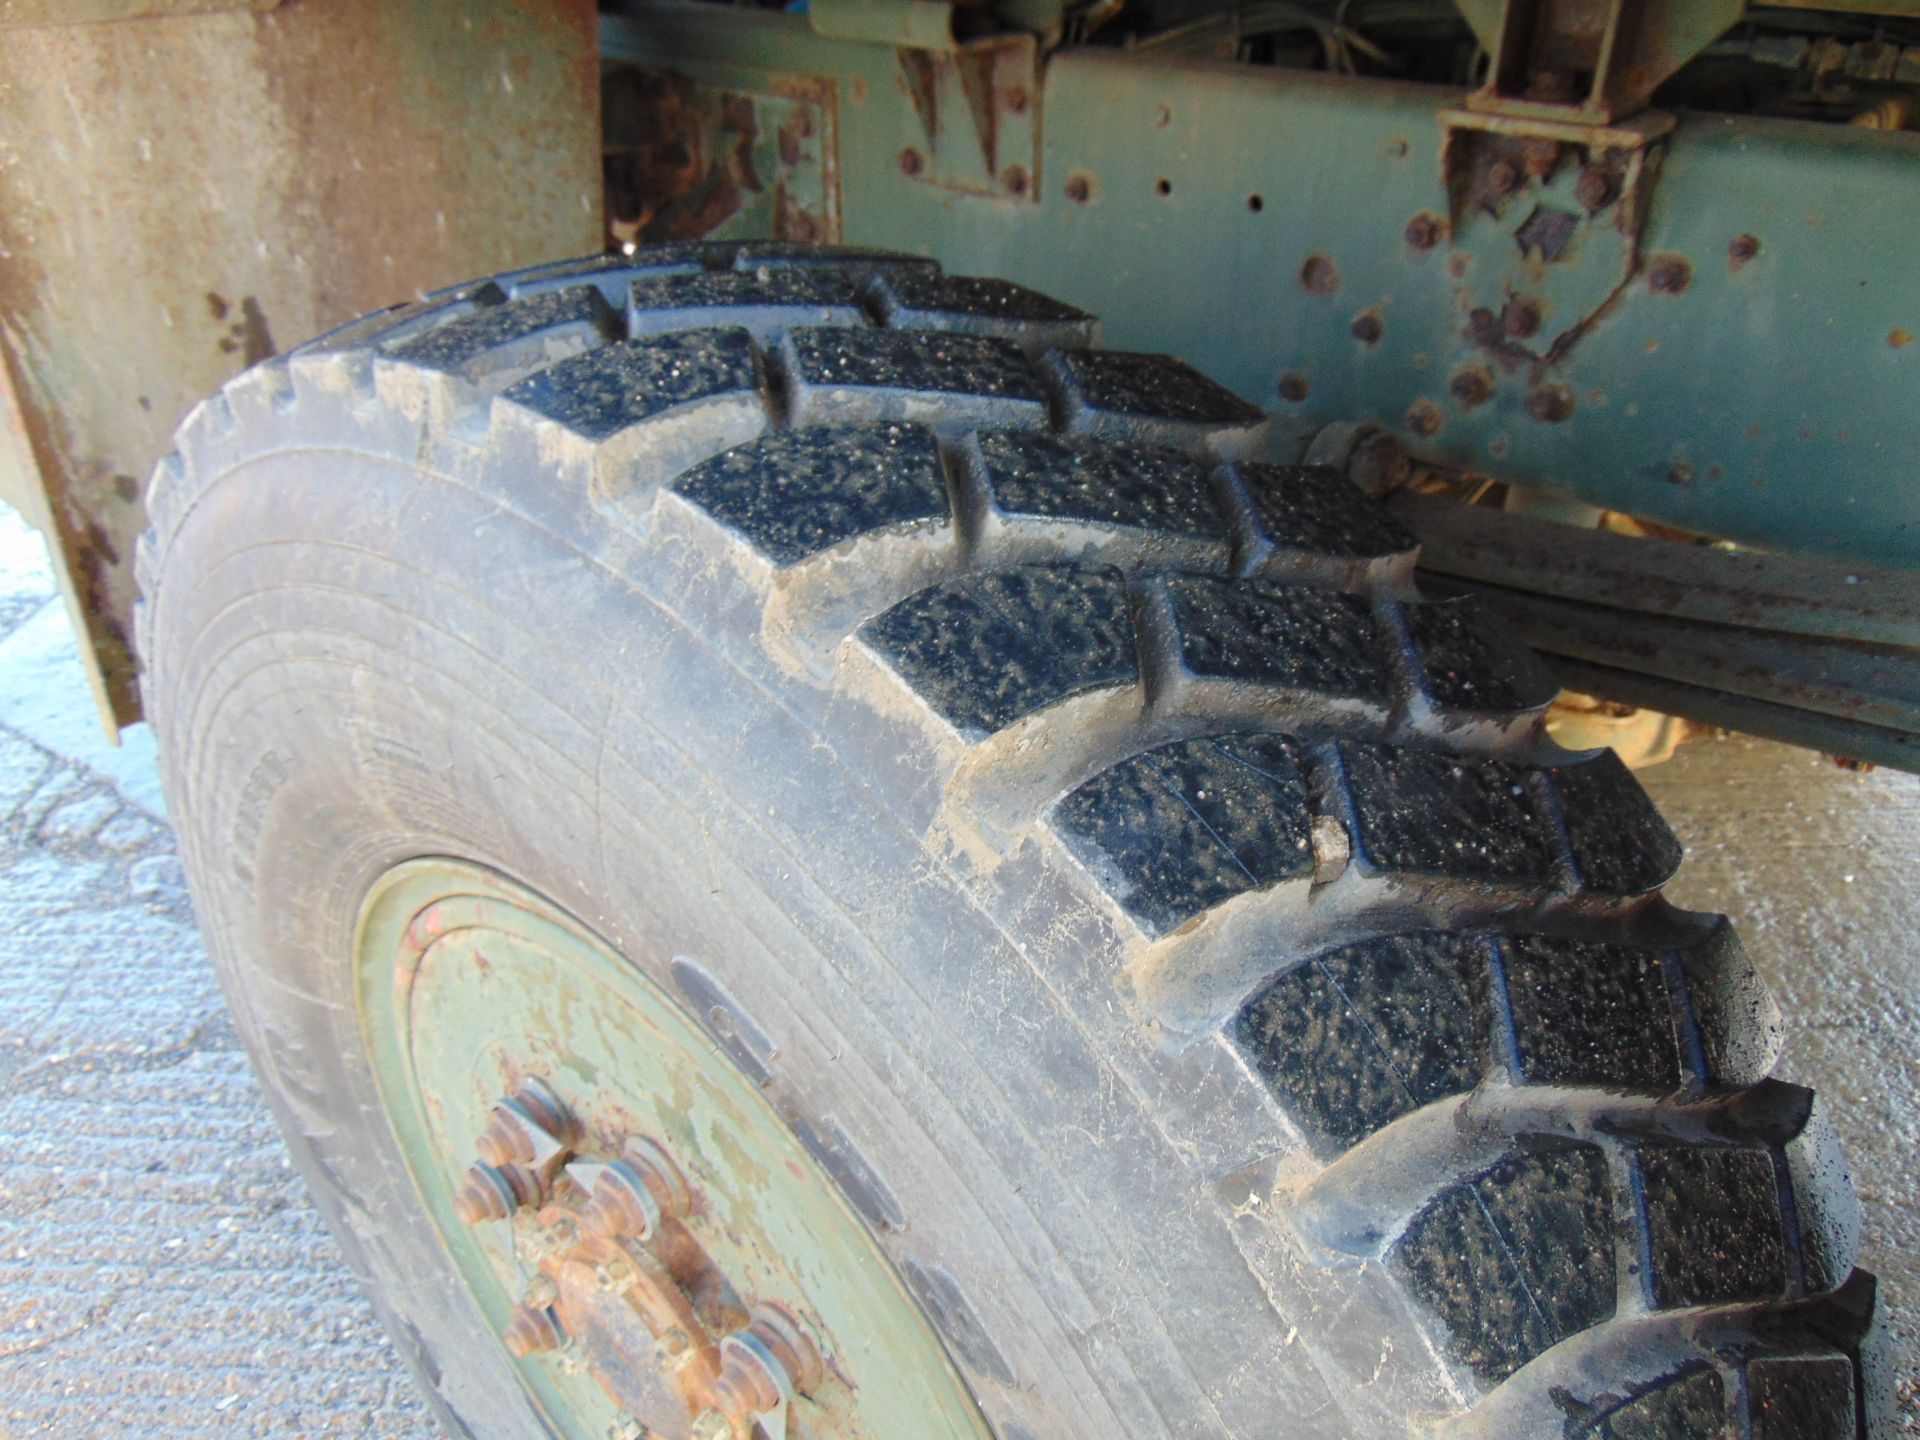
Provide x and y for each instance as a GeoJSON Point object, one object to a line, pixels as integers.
{"type": "Point", "coordinates": [529, 1127]}
{"type": "Point", "coordinates": [633, 1194]}
{"type": "Point", "coordinates": [772, 1358]}
{"type": "Point", "coordinates": [533, 1332]}
{"type": "Point", "coordinates": [493, 1192]}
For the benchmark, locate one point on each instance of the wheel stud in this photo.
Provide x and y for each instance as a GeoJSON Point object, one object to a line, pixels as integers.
{"type": "Point", "coordinates": [492, 1192]}
{"type": "Point", "coordinates": [533, 1332]}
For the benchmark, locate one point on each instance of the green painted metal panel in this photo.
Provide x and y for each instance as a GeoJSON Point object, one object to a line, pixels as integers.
{"type": "Point", "coordinates": [1771, 400]}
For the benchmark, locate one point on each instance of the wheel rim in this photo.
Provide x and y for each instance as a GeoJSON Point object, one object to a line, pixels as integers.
{"type": "Point", "coordinates": [659, 1254]}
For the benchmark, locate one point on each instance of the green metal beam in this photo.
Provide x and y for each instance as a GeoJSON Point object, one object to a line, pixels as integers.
{"type": "Point", "coordinates": [1725, 349]}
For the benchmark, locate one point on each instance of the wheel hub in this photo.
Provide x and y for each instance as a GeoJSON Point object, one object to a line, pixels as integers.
{"type": "Point", "coordinates": [659, 1256]}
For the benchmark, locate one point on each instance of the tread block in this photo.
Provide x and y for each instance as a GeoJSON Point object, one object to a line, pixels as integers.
{"type": "Point", "coordinates": [1586, 1013]}
{"type": "Point", "coordinates": [1621, 844]}
{"type": "Point", "coordinates": [553, 323]}
{"type": "Point", "coordinates": [849, 374]}
{"type": "Point", "coordinates": [910, 300]}
{"type": "Point", "coordinates": [795, 493]}
{"type": "Point", "coordinates": [1193, 823]}
{"type": "Point", "coordinates": [1134, 487]}
{"type": "Point", "coordinates": [1119, 385]}
{"type": "Point", "coordinates": [604, 270]}
{"type": "Point", "coordinates": [1422, 813]}
{"type": "Point", "coordinates": [1468, 662]}
{"type": "Point", "coordinates": [1315, 510]}
{"type": "Point", "coordinates": [984, 650]}
{"type": "Point", "coordinates": [780, 255]}
{"type": "Point", "coordinates": [1690, 1405]}
{"type": "Point", "coordinates": [1516, 1259]}
{"type": "Point", "coordinates": [1714, 1227]}
{"type": "Point", "coordinates": [1801, 1398]}
{"type": "Point", "coordinates": [605, 391]}
{"type": "Point", "coordinates": [762, 303]}
{"type": "Point", "coordinates": [1320, 642]}
{"type": "Point", "coordinates": [1357, 1037]}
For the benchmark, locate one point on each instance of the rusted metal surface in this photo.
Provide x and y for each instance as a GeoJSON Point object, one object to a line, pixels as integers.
{"type": "Point", "coordinates": [181, 196]}
{"type": "Point", "coordinates": [1590, 61]}
{"type": "Point", "coordinates": [24, 13]}
{"type": "Point", "coordinates": [684, 160]}
{"type": "Point", "coordinates": [1768, 398]}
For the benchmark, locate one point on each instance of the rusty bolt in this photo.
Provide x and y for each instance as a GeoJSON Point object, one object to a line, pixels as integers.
{"type": "Point", "coordinates": [1079, 189]}
{"type": "Point", "coordinates": [1320, 275]}
{"type": "Point", "coordinates": [1551, 403]}
{"type": "Point", "coordinates": [1015, 179]}
{"type": "Point", "coordinates": [1423, 231]}
{"type": "Point", "coordinates": [912, 162]}
{"type": "Point", "coordinates": [533, 1332]}
{"type": "Point", "coordinates": [1017, 99]}
{"type": "Point", "coordinates": [493, 1192]}
{"type": "Point", "coordinates": [1669, 275]}
{"type": "Point", "coordinates": [1294, 387]}
{"type": "Point", "coordinates": [1502, 177]}
{"type": "Point", "coordinates": [1367, 327]}
{"type": "Point", "coordinates": [627, 1427]}
{"type": "Point", "coordinates": [1741, 249]}
{"type": "Point", "coordinates": [526, 1128]}
{"type": "Point", "coordinates": [1424, 418]}
{"type": "Point", "coordinates": [712, 1425]}
{"type": "Point", "coordinates": [1594, 188]}
{"type": "Point", "coordinates": [1471, 385]}
{"type": "Point", "coordinates": [1521, 318]}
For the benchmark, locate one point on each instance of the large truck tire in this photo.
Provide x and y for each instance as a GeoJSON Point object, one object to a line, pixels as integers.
{"type": "Point", "coordinates": [798, 846]}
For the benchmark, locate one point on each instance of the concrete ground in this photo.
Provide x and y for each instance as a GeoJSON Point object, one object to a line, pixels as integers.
{"type": "Point", "coordinates": [162, 1271]}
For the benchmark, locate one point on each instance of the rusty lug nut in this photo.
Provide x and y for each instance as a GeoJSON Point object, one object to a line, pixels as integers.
{"type": "Point", "coordinates": [1520, 319]}
{"type": "Point", "coordinates": [1079, 189]}
{"type": "Point", "coordinates": [1669, 275]}
{"type": "Point", "coordinates": [1423, 231]}
{"type": "Point", "coordinates": [636, 1192]}
{"type": "Point", "coordinates": [533, 1332]}
{"type": "Point", "coordinates": [772, 1358]}
{"type": "Point", "coordinates": [526, 1128]}
{"type": "Point", "coordinates": [1594, 188]}
{"type": "Point", "coordinates": [493, 1192]}
{"type": "Point", "coordinates": [1367, 327]}
{"type": "Point", "coordinates": [1502, 177]}
{"type": "Point", "coordinates": [912, 162]}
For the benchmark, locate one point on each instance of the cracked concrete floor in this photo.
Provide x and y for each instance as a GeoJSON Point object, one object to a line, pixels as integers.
{"type": "Point", "coordinates": [162, 1271]}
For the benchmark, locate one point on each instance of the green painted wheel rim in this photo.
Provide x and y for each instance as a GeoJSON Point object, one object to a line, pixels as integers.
{"type": "Point", "coordinates": [468, 984]}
